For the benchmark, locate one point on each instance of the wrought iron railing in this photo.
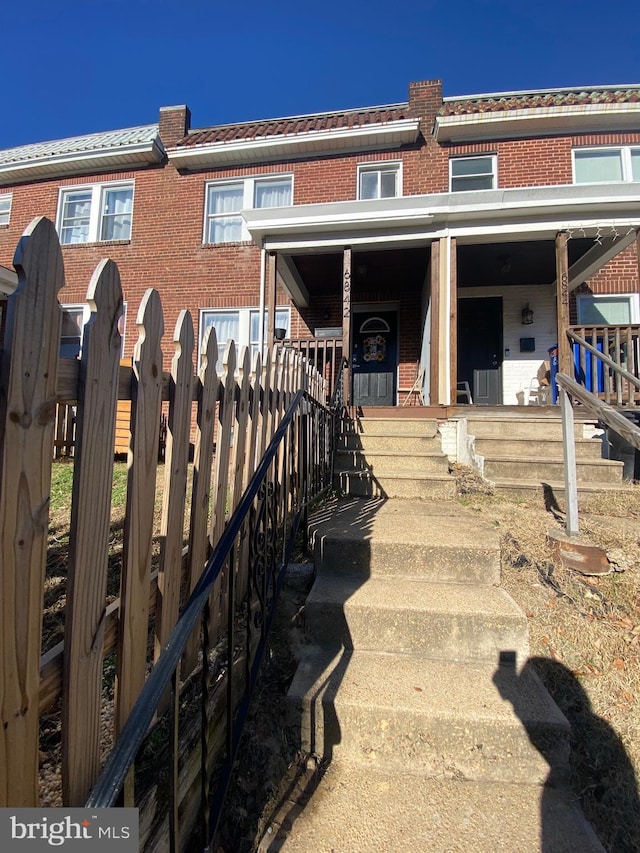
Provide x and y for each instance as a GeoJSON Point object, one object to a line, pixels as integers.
{"type": "Point", "coordinates": [239, 587]}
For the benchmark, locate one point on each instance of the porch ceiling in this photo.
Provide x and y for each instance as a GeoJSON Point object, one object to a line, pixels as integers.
{"type": "Point", "coordinates": [479, 265]}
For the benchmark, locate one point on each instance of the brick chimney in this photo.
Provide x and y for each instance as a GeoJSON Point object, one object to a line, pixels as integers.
{"type": "Point", "coordinates": [174, 124]}
{"type": "Point", "coordinates": [425, 99]}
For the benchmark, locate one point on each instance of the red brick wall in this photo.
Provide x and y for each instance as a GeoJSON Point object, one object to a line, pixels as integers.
{"type": "Point", "coordinates": [166, 249]}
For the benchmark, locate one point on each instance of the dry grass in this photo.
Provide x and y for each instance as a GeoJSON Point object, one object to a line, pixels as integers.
{"type": "Point", "coordinates": [585, 641]}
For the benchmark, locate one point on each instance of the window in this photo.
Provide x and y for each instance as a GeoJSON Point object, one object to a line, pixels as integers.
{"type": "Point", "coordinates": [379, 181]}
{"type": "Point", "coordinates": [241, 325]}
{"type": "Point", "coordinates": [95, 213]}
{"type": "Point", "coordinates": [73, 319]}
{"type": "Point", "coordinates": [224, 201]}
{"type": "Point", "coordinates": [606, 165]}
{"type": "Point", "coordinates": [472, 173]}
{"type": "Point", "coordinates": [5, 208]}
{"type": "Point", "coordinates": [607, 309]}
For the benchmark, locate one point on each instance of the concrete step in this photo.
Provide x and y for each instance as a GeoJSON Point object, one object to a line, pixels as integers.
{"type": "Point", "coordinates": [528, 427]}
{"type": "Point", "coordinates": [375, 442]}
{"type": "Point", "coordinates": [403, 538]}
{"type": "Point", "coordinates": [446, 621]}
{"type": "Point", "coordinates": [552, 492]}
{"type": "Point", "coordinates": [414, 715]}
{"type": "Point", "coordinates": [511, 467]}
{"type": "Point", "coordinates": [400, 484]}
{"type": "Point", "coordinates": [391, 461]}
{"type": "Point", "coordinates": [423, 427]}
{"type": "Point", "coordinates": [541, 448]}
{"type": "Point", "coordinates": [355, 811]}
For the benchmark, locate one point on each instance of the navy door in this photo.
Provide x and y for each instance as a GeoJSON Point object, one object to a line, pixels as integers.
{"type": "Point", "coordinates": [480, 348]}
{"type": "Point", "coordinates": [374, 358]}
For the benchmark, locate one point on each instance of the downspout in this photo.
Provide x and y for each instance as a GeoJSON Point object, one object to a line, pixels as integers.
{"type": "Point", "coordinates": [263, 268]}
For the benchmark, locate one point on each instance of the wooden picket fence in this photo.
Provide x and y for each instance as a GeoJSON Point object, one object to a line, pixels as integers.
{"type": "Point", "coordinates": [238, 411]}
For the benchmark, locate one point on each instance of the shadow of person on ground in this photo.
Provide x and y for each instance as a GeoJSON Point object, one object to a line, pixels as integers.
{"type": "Point", "coordinates": [602, 775]}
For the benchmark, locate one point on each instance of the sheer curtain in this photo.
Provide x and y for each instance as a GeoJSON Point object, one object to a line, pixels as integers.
{"type": "Point", "coordinates": [76, 217]}
{"type": "Point", "coordinates": [117, 207]}
{"type": "Point", "coordinates": [273, 193]}
{"type": "Point", "coordinates": [227, 326]}
{"type": "Point", "coordinates": [223, 201]}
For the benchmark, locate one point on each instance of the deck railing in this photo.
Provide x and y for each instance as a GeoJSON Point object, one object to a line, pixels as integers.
{"type": "Point", "coordinates": [325, 354]}
{"type": "Point", "coordinates": [606, 362]}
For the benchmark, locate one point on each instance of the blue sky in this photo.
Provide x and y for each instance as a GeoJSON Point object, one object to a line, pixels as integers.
{"type": "Point", "coordinates": [79, 66]}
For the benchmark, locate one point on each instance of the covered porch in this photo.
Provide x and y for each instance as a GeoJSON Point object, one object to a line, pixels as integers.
{"type": "Point", "coordinates": [441, 302]}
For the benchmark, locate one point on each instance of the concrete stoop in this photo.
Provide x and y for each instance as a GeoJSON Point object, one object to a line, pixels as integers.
{"type": "Point", "coordinates": [392, 457]}
{"type": "Point", "coordinates": [413, 688]}
{"type": "Point", "coordinates": [523, 456]}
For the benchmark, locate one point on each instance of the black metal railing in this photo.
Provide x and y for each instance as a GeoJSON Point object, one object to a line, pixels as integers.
{"type": "Point", "coordinates": [238, 589]}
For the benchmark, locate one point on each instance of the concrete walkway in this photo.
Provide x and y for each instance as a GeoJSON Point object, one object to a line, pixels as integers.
{"type": "Point", "coordinates": [415, 693]}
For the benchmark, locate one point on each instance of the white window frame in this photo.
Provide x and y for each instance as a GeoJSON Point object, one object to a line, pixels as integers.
{"type": "Point", "coordinates": [494, 171]}
{"type": "Point", "coordinates": [625, 157]}
{"type": "Point", "coordinates": [584, 298]}
{"type": "Point", "coordinates": [381, 166]}
{"type": "Point", "coordinates": [96, 210]}
{"type": "Point", "coordinates": [244, 327]}
{"type": "Point", "coordinates": [249, 186]}
{"type": "Point", "coordinates": [81, 311]}
{"type": "Point", "coordinates": [6, 200]}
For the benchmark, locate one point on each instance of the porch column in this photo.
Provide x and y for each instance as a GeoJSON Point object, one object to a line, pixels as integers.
{"type": "Point", "coordinates": [638, 255]}
{"type": "Point", "coordinates": [443, 378]}
{"type": "Point", "coordinates": [346, 321]}
{"type": "Point", "coordinates": [562, 302]}
{"type": "Point", "coordinates": [453, 321]}
{"type": "Point", "coordinates": [272, 270]}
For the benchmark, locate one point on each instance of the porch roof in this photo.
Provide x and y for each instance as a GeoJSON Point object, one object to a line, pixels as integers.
{"type": "Point", "coordinates": [480, 216]}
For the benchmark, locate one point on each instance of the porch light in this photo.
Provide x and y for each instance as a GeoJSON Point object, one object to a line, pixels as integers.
{"type": "Point", "coordinates": [527, 315]}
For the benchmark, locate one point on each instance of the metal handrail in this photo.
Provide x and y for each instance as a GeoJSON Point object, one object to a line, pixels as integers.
{"type": "Point", "coordinates": [259, 491]}
{"type": "Point", "coordinates": [600, 410]}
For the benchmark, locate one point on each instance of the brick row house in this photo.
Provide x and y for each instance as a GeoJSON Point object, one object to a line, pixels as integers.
{"type": "Point", "coordinates": [424, 238]}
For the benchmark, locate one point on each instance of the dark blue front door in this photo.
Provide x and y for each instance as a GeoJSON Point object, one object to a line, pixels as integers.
{"type": "Point", "coordinates": [375, 358]}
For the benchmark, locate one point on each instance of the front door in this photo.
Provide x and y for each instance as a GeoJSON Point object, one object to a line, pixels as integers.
{"type": "Point", "coordinates": [480, 348]}
{"type": "Point", "coordinates": [374, 358]}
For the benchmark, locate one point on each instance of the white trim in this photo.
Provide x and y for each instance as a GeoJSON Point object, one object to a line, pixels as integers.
{"type": "Point", "coordinates": [537, 121]}
{"type": "Point", "coordinates": [381, 166]}
{"type": "Point", "coordinates": [367, 137]}
{"type": "Point", "coordinates": [96, 212]}
{"type": "Point", "coordinates": [3, 198]}
{"type": "Point", "coordinates": [248, 200]}
{"type": "Point", "coordinates": [633, 298]}
{"type": "Point", "coordinates": [8, 281]}
{"type": "Point", "coordinates": [456, 159]}
{"type": "Point", "coordinates": [625, 159]}
{"type": "Point", "coordinates": [116, 157]}
{"type": "Point", "coordinates": [492, 213]}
